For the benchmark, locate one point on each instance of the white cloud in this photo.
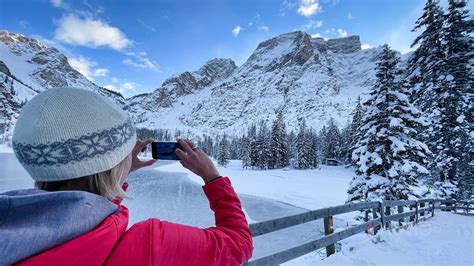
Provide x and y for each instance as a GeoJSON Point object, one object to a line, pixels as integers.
{"type": "Point", "coordinates": [56, 3]}
{"type": "Point", "coordinates": [264, 28]}
{"type": "Point", "coordinates": [82, 65]}
{"type": "Point", "coordinates": [101, 72]}
{"type": "Point", "coordinates": [342, 33]}
{"type": "Point", "coordinates": [86, 68]}
{"type": "Point", "coordinates": [349, 15]}
{"type": "Point", "coordinates": [89, 32]}
{"type": "Point", "coordinates": [236, 30]}
{"type": "Point", "coordinates": [129, 86]}
{"type": "Point", "coordinates": [312, 24]}
{"type": "Point", "coordinates": [317, 35]}
{"type": "Point", "coordinates": [308, 8]}
{"type": "Point", "coordinates": [142, 61]}
{"type": "Point", "coordinates": [24, 23]}
{"type": "Point", "coordinates": [365, 46]}
{"type": "Point", "coordinates": [285, 6]}
{"type": "Point", "coordinates": [147, 26]}
{"type": "Point", "coordinates": [123, 87]}
{"type": "Point", "coordinates": [114, 80]}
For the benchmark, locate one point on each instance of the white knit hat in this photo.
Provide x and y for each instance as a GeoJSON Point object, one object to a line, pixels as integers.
{"type": "Point", "coordinates": [66, 133]}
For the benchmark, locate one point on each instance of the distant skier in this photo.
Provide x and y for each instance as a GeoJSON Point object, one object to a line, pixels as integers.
{"type": "Point", "coordinates": [79, 148]}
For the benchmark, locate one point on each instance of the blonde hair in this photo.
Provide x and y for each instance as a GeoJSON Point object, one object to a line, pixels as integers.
{"type": "Point", "coordinates": [107, 183]}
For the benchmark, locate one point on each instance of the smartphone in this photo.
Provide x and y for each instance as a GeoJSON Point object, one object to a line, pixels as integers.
{"type": "Point", "coordinates": [165, 150]}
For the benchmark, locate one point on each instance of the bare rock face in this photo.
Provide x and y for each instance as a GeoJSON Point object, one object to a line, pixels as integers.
{"type": "Point", "coordinates": [345, 45]}
{"type": "Point", "coordinates": [4, 69]}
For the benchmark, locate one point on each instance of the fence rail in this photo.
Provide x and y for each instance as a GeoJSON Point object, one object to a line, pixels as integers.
{"type": "Point", "coordinates": [381, 213]}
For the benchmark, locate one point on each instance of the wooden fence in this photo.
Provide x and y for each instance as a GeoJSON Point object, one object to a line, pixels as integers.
{"type": "Point", "coordinates": [377, 215]}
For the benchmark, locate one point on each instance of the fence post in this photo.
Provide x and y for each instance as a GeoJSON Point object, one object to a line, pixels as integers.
{"type": "Point", "coordinates": [329, 229]}
{"type": "Point", "coordinates": [387, 213]}
{"type": "Point", "coordinates": [422, 205]}
{"type": "Point", "coordinates": [382, 216]}
{"type": "Point", "coordinates": [416, 212]}
{"type": "Point", "coordinates": [432, 208]}
{"type": "Point", "coordinates": [412, 218]}
{"type": "Point", "coordinates": [375, 216]}
{"type": "Point", "coordinates": [401, 220]}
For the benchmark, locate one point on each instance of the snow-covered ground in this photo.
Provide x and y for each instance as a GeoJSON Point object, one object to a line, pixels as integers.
{"type": "Point", "coordinates": [5, 149]}
{"type": "Point", "coordinates": [445, 239]}
{"type": "Point", "coordinates": [170, 192]}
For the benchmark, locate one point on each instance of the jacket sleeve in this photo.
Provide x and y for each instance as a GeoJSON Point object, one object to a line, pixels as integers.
{"type": "Point", "coordinates": [164, 243]}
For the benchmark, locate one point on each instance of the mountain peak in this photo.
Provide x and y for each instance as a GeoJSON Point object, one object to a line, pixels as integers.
{"type": "Point", "coordinates": [19, 44]}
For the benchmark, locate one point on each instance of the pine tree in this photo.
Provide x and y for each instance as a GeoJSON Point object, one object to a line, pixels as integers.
{"type": "Point", "coordinates": [388, 156]}
{"type": "Point", "coordinates": [245, 152]}
{"type": "Point", "coordinates": [315, 148]}
{"type": "Point", "coordinates": [224, 153]}
{"type": "Point", "coordinates": [355, 131]}
{"type": "Point", "coordinates": [292, 148]}
{"type": "Point", "coordinates": [333, 141]}
{"type": "Point", "coordinates": [302, 156]}
{"type": "Point", "coordinates": [263, 146]}
{"type": "Point", "coordinates": [453, 145]}
{"type": "Point", "coordinates": [253, 149]}
{"type": "Point", "coordinates": [279, 144]}
{"type": "Point", "coordinates": [322, 145]}
{"type": "Point", "coordinates": [424, 65]}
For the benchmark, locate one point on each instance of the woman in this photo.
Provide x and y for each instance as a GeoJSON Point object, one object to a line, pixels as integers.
{"type": "Point", "coordinates": [79, 147]}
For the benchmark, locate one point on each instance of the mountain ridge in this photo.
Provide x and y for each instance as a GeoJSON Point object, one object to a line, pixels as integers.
{"type": "Point", "coordinates": [303, 76]}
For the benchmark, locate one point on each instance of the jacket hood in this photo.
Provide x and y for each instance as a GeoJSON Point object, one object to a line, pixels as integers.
{"type": "Point", "coordinates": [33, 220]}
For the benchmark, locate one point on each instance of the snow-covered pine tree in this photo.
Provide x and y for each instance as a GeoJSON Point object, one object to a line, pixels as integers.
{"type": "Point", "coordinates": [245, 152]}
{"type": "Point", "coordinates": [322, 144]}
{"type": "Point", "coordinates": [388, 156]}
{"type": "Point", "coordinates": [279, 144]}
{"type": "Point", "coordinates": [310, 148]}
{"type": "Point", "coordinates": [263, 146]}
{"type": "Point", "coordinates": [453, 144]}
{"type": "Point", "coordinates": [333, 141]}
{"type": "Point", "coordinates": [424, 64]}
{"type": "Point", "coordinates": [252, 139]}
{"type": "Point", "coordinates": [224, 153]}
{"type": "Point", "coordinates": [315, 149]}
{"type": "Point", "coordinates": [355, 131]}
{"type": "Point", "coordinates": [302, 160]}
{"type": "Point", "coordinates": [292, 148]}
{"type": "Point", "coordinates": [345, 142]}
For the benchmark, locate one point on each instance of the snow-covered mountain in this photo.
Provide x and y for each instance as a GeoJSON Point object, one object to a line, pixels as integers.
{"type": "Point", "coordinates": [304, 77]}
{"type": "Point", "coordinates": [301, 76]}
{"type": "Point", "coordinates": [27, 67]}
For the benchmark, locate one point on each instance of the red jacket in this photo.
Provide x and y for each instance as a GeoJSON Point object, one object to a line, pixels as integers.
{"type": "Point", "coordinates": [155, 242]}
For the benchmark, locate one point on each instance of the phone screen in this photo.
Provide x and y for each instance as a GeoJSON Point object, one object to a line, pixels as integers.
{"type": "Point", "coordinates": [165, 150]}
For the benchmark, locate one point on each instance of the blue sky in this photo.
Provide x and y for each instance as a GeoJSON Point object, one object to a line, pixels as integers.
{"type": "Point", "coordinates": [133, 46]}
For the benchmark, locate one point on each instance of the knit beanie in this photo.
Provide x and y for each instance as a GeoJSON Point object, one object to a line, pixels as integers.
{"type": "Point", "coordinates": [66, 133]}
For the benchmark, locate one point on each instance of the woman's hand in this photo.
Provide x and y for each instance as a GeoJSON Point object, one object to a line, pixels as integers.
{"type": "Point", "coordinates": [140, 146]}
{"type": "Point", "coordinates": [196, 160]}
